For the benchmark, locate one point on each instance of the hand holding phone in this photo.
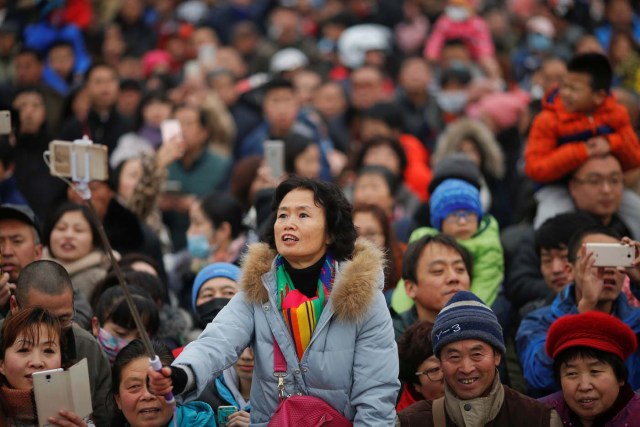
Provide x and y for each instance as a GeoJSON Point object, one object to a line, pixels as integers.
{"type": "Point", "coordinates": [170, 129]}
{"type": "Point", "coordinates": [274, 157]}
{"type": "Point", "coordinates": [223, 414]}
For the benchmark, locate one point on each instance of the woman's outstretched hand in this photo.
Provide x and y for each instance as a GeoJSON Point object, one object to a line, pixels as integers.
{"type": "Point", "coordinates": [160, 382]}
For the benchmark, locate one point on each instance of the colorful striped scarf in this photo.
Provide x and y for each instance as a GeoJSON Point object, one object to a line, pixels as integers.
{"type": "Point", "coordinates": [301, 314]}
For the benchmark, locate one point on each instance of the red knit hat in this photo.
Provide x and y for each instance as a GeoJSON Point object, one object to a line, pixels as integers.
{"type": "Point", "coordinates": [592, 329]}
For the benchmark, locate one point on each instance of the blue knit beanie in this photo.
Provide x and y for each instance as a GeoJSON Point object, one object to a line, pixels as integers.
{"type": "Point", "coordinates": [466, 317]}
{"type": "Point", "coordinates": [453, 195]}
{"type": "Point", "coordinates": [211, 271]}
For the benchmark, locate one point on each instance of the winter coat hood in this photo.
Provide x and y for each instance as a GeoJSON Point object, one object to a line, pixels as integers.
{"type": "Point", "coordinates": [352, 293]}
{"type": "Point", "coordinates": [453, 136]}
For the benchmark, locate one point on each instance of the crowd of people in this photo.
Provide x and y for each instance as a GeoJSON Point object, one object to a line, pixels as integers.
{"type": "Point", "coordinates": [424, 258]}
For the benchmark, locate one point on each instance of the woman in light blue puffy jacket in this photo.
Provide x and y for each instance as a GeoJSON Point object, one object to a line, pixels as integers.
{"type": "Point", "coordinates": [318, 293]}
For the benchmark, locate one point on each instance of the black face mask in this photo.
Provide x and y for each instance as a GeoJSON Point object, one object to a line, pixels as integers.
{"type": "Point", "coordinates": [209, 310]}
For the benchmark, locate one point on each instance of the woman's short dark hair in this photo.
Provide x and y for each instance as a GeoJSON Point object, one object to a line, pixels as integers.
{"type": "Point", "coordinates": [221, 207]}
{"type": "Point", "coordinates": [379, 141]}
{"type": "Point", "coordinates": [392, 180]}
{"type": "Point", "coordinates": [391, 275]}
{"type": "Point", "coordinates": [337, 210]}
{"type": "Point", "coordinates": [414, 252]}
{"type": "Point", "coordinates": [72, 207]}
{"type": "Point", "coordinates": [131, 352]}
{"type": "Point", "coordinates": [414, 347]}
{"type": "Point", "coordinates": [295, 144]}
{"type": "Point", "coordinates": [619, 368]}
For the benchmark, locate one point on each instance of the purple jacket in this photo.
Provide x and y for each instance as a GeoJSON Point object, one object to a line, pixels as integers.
{"type": "Point", "coordinates": [627, 417]}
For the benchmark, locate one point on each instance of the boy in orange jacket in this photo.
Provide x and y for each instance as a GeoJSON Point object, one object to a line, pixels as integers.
{"type": "Point", "coordinates": [579, 120]}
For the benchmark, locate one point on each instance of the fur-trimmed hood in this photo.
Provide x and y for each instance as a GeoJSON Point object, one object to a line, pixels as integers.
{"type": "Point", "coordinates": [356, 283]}
{"type": "Point", "coordinates": [451, 139]}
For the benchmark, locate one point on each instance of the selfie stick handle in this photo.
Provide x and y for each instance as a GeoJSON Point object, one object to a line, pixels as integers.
{"type": "Point", "coordinates": [82, 186]}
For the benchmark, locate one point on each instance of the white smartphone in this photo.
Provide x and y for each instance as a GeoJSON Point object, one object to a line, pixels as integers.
{"type": "Point", "coordinates": [169, 129]}
{"type": "Point", "coordinates": [65, 156]}
{"type": "Point", "coordinates": [612, 254]}
{"type": "Point", "coordinates": [5, 122]}
{"type": "Point", "coordinates": [207, 55]}
{"type": "Point", "coordinates": [274, 156]}
{"type": "Point", "coordinates": [58, 389]}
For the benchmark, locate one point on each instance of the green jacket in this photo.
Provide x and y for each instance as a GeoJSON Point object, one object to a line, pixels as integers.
{"type": "Point", "coordinates": [488, 263]}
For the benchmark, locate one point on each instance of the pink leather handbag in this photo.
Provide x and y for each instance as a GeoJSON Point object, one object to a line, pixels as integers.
{"type": "Point", "coordinates": [297, 410]}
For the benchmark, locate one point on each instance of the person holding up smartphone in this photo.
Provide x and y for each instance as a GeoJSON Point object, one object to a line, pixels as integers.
{"type": "Point", "coordinates": [593, 289]}
{"type": "Point", "coordinates": [30, 343]}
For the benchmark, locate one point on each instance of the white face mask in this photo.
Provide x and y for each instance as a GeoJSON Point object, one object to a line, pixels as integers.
{"type": "Point", "coordinates": [452, 101]}
{"type": "Point", "coordinates": [457, 13]}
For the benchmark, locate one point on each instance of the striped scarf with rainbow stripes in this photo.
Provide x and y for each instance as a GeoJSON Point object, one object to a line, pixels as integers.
{"type": "Point", "coordinates": [301, 314]}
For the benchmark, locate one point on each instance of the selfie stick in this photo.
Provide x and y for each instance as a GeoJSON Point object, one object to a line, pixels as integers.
{"type": "Point", "coordinates": [82, 188]}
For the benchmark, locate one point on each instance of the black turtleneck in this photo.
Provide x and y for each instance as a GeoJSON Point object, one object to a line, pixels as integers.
{"type": "Point", "coordinates": [305, 279]}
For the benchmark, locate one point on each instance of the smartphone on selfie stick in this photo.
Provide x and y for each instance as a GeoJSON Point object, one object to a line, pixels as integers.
{"type": "Point", "coordinates": [78, 163]}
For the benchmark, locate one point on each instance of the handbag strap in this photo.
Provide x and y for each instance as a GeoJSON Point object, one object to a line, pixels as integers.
{"type": "Point", "coordinates": [279, 362]}
{"type": "Point", "coordinates": [437, 410]}
{"type": "Point", "coordinates": [279, 369]}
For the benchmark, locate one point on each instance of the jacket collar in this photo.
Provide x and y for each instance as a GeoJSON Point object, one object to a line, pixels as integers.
{"type": "Point", "coordinates": [565, 303]}
{"type": "Point", "coordinates": [356, 284]}
{"type": "Point", "coordinates": [483, 409]}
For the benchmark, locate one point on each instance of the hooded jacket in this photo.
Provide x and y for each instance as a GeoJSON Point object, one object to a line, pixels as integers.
{"type": "Point", "coordinates": [351, 361]}
{"type": "Point", "coordinates": [537, 366]}
{"type": "Point", "coordinates": [451, 140]}
{"type": "Point", "coordinates": [556, 145]}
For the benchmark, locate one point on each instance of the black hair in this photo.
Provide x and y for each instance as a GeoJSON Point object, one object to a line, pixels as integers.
{"type": "Point", "coordinates": [112, 306]}
{"type": "Point", "coordinates": [596, 66]}
{"type": "Point", "coordinates": [455, 42]}
{"type": "Point", "coordinates": [386, 112]}
{"type": "Point", "coordinates": [414, 347]}
{"type": "Point", "coordinates": [65, 207]}
{"type": "Point", "coordinates": [61, 43]}
{"type": "Point", "coordinates": [149, 98]}
{"type": "Point", "coordinates": [45, 276]}
{"type": "Point", "coordinates": [294, 145]}
{"type": "Point", "coordinates": [414, 252]}
{"type": "Point", "coordinates": [277, 83]}
{"type": "Point", "coordinates": [220, 207]}
{"type": "Point", "coordinates": [337, 209]}
{"type": "Point", "coordinates": [30, 51]}
{"type": "Point", "coordinates": [619, 368]}
{"type": "Point", "coordinates": [152, 285]}
{"type": "Point", "coordinates": [29, 89]}
{"type": "Point", "coordinates": [392, 180]}
{"type": "Point", "coordinates": [379, 141]}
{"type": "Point", "coordinates": [556, 232]}
{"type": "Point", "coordinates": [202, 114]}
{"type": "Point", "coordinates": [6, 154]}
{"type": "Point", "coordinates": [131, 352]}
{"type": "Point", "coordinates": [95, 66]}
{"type": "Point", "coordinates": [576, 240]}
{"type": "Point", "coordinates": [127, 261]}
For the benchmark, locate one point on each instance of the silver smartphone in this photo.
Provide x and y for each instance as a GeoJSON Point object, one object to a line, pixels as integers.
{"type": "Point", "coordinates": [274, 156]}
{"type": "Point", "coordinates": [58, 389]}
{"type": "Point", "coordinates": [612, 254]}
{"type": "Point", "coordinates": [5, 122]}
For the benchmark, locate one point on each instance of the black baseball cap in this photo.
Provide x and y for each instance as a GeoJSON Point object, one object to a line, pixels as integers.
{"type": "Point", "coordinates": [21, 213]}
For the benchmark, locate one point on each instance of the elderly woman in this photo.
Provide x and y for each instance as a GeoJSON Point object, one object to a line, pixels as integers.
{"type": "Point", "coordinates": [316, 294]}
{"type": "Point", "coordinates": [588, 351]}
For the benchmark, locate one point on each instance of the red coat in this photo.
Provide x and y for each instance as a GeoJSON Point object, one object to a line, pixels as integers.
{"type": "Point", "coordinates": [417, 176]}
{"type": "Point", "coordinates": [556, 145]}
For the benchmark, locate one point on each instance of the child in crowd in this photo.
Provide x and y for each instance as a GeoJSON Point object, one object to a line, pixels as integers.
{"type": "Point", "coordinates": [456, 211]}
{"type": "Point", "coordinates": [30, 343]}
{"type": "Point", "coordinates": [137, 407]}
{"type": "Point", "coordinates": [580, 120]}
{"type": "Point", "coordinates": [113, 325]}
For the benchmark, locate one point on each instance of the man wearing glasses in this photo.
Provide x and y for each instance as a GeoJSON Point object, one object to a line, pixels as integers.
{"type": "Point", "coordinates": [467, 340]}
{"type": "Point", "coordinates": [47, 284]}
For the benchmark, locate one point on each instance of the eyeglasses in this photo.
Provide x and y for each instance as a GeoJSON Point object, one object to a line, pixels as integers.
{"type": "Point", "coordinates": [434, 374]}
{"type": "Point", "coordinates": [455, 217]}
{"type": "Point", "coordinates": [599, 180]}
